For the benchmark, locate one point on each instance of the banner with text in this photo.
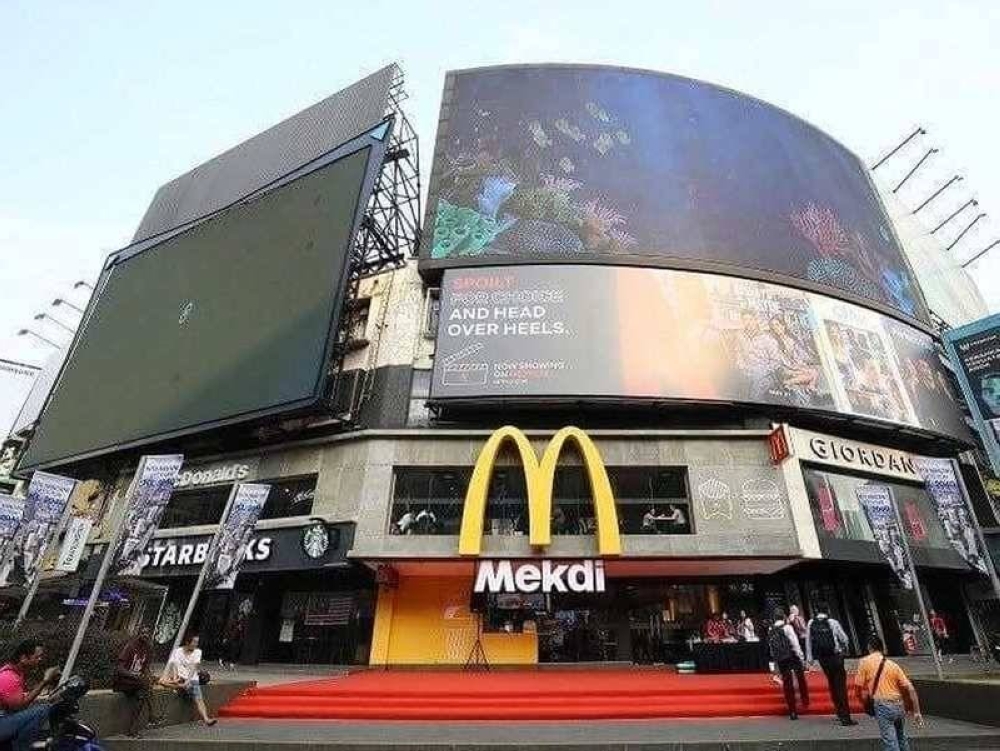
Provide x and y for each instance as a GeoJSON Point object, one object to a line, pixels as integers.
{"type": "Point", "coordinates": [235, 535]}
{"type": "Point", "coordinates": [43, 510]}
{"type": "Point", "coordinates": [150, 492]}
{"type": "Point", "coordinates": [11, 511]}
{"type": "Point", "coordinates": [959, 527]}
{"type": "Point", "coordinates": [572, 331]}
{"type": "Point", "coordinates": [877, 501]}
{"type": "Point", "coordinates": [975, 349]}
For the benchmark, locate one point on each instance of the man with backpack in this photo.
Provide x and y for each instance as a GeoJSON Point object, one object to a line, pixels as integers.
{"type": "Point", "coordinates": [787, 656]}
{"type": "Point", "coordinates": [826, 643]}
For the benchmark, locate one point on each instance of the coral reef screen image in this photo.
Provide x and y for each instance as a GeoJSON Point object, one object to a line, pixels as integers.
{"type": "Point", "coordinates": [571, 162]}
{"type": "Point", "coordinates": [570, 331]}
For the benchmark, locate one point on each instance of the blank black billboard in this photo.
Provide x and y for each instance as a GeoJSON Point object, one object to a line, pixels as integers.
{"type": "Point", "coordinates": [225, 321]}
{"type": "Point", "coordinates": [603, 165]}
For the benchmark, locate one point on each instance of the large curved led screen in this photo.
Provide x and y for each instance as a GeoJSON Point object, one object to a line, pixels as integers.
{"type": "Point", "coordinates": [570, 331]}
{"type": "Point", "coordinates": [228, 320]}
{"type": "Point", "coordinates": [566, 162]}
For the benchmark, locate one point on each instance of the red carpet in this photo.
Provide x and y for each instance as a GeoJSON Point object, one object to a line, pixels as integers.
{"type": "Point", "coordinates": [523, 695]}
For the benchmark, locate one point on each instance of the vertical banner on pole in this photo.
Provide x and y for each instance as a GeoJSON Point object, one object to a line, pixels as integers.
{"type": "Point", "coordinates": [238, 519]}
{"type": "Point", "coordinates": [876, 500]}
{"type": "Point", "coordinates": [43, 511]}
{"type": "Point", "coordinates": [144, 503]}
{"type": "Point", "coordinates": [959, 527]}
{"type": "Point", "coordinates": [150, 495]}
{"type": "Point", "coordinates": [235, 534]}
{"type": "Point", "coordinates": [11, 512]}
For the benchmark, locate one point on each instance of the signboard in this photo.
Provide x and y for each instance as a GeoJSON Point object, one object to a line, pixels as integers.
{"type": "Point", "coordinates": [545, 577]}
{"type": "Point", "coordinates": [975, 350]}
{"type": "Point", "coordinates": [540, 478]}
{"type": "Point", "coordinates": [819, 448]}
{"type": "Point", "coordinates": [877, 502]}
{"type": "Point", "coordinates": [149, 495]}
{"type": "Point", "coordinates": [575, 331]}
{"type": "Point", "coordinates": [548, 163]}
{"type": "Point", "coordinates": [959, 527]}
{"type": "Point", "coordinates": [74, 541]}
{"type": "Point", "coordinates": [235, 535]}
{"type": "Point", "coordinates": [43, 510]}
{"type": "Point", "coordinates": [215, 474]}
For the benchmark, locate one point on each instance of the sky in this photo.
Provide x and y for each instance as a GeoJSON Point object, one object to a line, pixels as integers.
{"type": "Point", "coordinates": [104, 102]}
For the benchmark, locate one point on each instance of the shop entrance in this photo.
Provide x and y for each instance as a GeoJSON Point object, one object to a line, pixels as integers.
{"type": "Point", "coordinates": [635, 621]}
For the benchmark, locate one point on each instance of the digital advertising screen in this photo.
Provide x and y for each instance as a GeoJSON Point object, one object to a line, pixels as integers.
{"type": "Point", "coordinates": [594, 164]}
{"type": "Point", "coordinates": [624, 332]}
{"type": "Point", "coordinates": [228, 320]}
{"type": "Point", "coordinates": [975, 350]}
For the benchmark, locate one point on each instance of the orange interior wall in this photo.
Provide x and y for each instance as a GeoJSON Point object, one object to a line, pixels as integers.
{"type": "Point", "coordinates": [427, 621]}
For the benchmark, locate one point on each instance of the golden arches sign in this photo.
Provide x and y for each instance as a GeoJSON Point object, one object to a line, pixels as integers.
{"type": "Point", "coordinates": [539, 478]}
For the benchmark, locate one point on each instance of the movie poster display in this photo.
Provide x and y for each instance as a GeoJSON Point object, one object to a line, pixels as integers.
{"type": "Point", "coordinates": [946, 493]}
{"type": "Point", "coordinates": [975, 350]}
{"type": "Point", "coordinates": [565, 331]}
{"type": "Point", "coordinates": [557, 162]}
{"type": "Point", "coordinates": [150, 493]}
{"type": "Point", "coordinates": [236, 534]}
{"type": "Point", "coordinates": [43, 510]}
{"type": "Point", "coordinates": [876, 500]}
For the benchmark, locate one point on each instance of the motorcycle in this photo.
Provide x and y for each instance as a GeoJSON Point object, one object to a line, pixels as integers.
{"type": "Point", "coordinates": [66, 732]}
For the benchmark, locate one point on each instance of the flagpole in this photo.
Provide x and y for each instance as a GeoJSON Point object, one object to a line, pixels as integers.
{"type": "Point", "coordinates": [102, 573]}
{"type": "Point", "coordinates": [984, 551]}
{"type": "Point", "coordinates": [209, 560]}
{"type": "Point", "coordinates": [916, 582]}
{"type": "Point", "coordinates": [37, 579]}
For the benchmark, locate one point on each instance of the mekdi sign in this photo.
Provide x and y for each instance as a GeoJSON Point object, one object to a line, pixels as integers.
{"type": "Point", "coordinates": [544, 577]}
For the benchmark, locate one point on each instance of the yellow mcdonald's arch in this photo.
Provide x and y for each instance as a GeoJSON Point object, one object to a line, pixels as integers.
{"type": "Point", "coordinates": [539, 478]}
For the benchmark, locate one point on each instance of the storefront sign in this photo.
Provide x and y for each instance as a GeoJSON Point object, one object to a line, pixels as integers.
{"type": "Point", "coordinates": [216, 474]}
{"type": "Point", "coordinates": [864, 457]}
{"type": "Point", "coordinates": [540, 477]}
{"type": "Point", "coordinates": [268, 550]}
{"type": "Point", "coordinates": [165, 553]}
{"type": "Point", "coordinates": [75, 540]}
{"type": "Point", "coordinates": [545, 576]}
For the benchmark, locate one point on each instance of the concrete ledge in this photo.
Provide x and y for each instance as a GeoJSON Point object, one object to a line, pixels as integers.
{"type": "Point", "coordinates": [109, 712]}
{"type": "Point", "coordinates": [966, 700]}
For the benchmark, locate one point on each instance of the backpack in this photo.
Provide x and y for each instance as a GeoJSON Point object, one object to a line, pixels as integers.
{"type": "Point", "coordinates": [779, 645]}
{"type": "Point", "coordinates": [821, 638]}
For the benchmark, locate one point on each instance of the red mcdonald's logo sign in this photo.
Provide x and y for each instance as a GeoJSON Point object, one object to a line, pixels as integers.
{"type": "Point", "coordinates": [778, 441]}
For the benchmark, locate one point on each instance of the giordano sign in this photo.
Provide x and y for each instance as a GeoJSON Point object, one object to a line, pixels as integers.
{"type": "Point", "coordinates": [539, 477]}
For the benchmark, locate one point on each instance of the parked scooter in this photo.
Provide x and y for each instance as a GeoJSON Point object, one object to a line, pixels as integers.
{"type": "Point", "coordinates": [66, 732]}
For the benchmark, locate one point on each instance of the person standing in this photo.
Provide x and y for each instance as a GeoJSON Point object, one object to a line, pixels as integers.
{"type": "Point", "coordinates": [798, 623]}
{"type": "Point", "coordinates": [182, 674]}
{"type": "Point", "coordinates": [20, 714]}
{"type": "Point", "coordinates": [789, 659]}
{"type": "Point", "coordinates": [827, 643]}
{"type": "Point", "coordinates": [132, 677]}
{"type": "Point", "coordinates": [883, 687]}
{"type": "Point", "coordinates": [939, 628]}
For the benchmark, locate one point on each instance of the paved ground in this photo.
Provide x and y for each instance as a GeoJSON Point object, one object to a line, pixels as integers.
{"type": "Point", "coordinates": [738, 734]}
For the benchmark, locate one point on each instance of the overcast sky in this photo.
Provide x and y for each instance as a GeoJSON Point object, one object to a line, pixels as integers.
{"type": "Point", "coordinates": [103, 102]}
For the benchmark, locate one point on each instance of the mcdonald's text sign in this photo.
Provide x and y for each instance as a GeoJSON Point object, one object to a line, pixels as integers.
{"type": "Point", "coordinates": [546, 576]}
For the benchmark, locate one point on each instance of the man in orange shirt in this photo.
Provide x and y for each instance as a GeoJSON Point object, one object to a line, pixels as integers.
{"type": "Point", "coordinates": [885, 682]}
